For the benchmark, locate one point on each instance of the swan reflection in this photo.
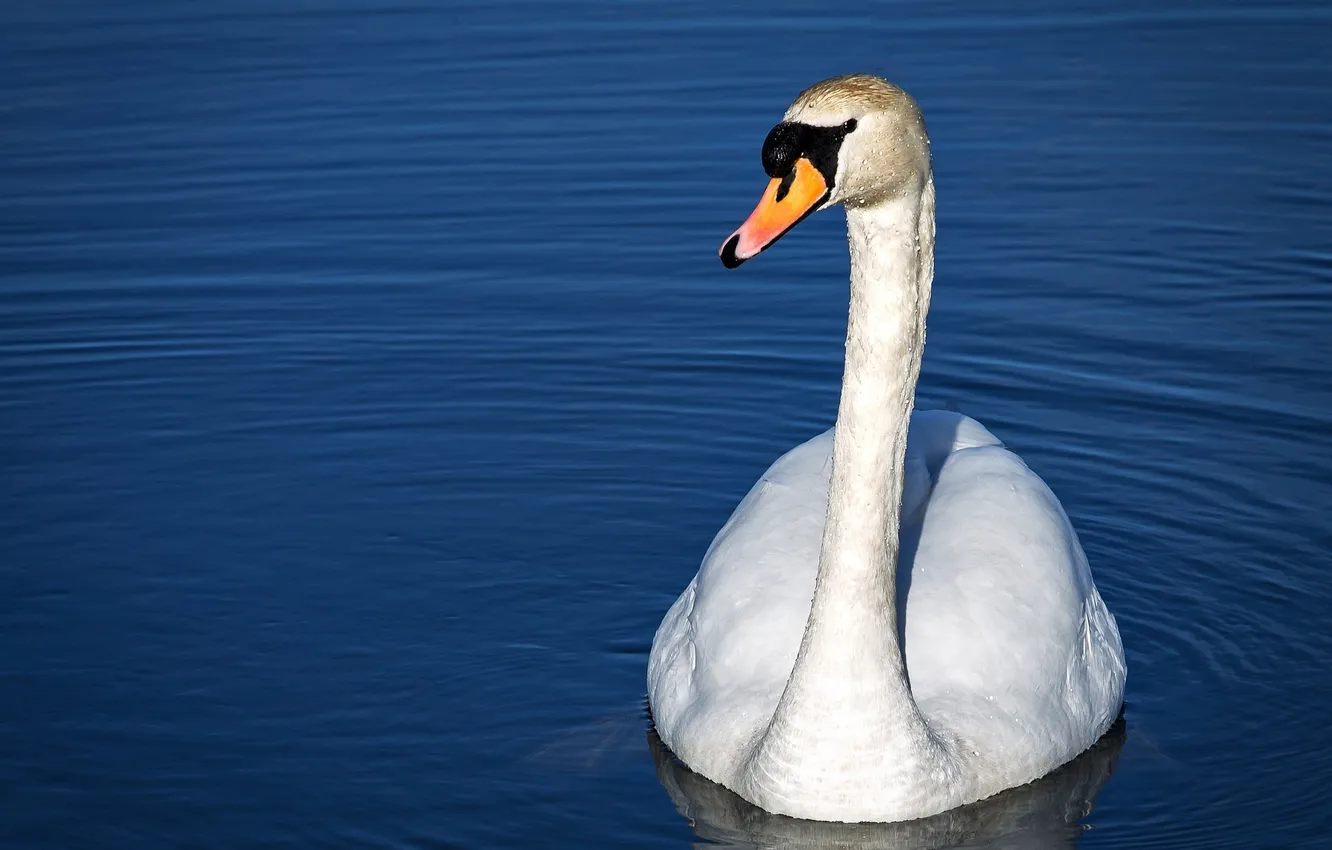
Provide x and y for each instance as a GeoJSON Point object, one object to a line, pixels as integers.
{"type": "Point", "coordinates": [1047, 813]}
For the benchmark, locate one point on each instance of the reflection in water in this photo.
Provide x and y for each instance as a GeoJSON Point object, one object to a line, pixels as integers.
{"type": "Point", "coordinates": [1045, 813]}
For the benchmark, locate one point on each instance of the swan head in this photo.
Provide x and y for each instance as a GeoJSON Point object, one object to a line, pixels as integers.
{"type": "Point", "coordinates": [855, 140]}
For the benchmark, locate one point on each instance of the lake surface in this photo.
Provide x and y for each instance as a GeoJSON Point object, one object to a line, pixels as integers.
{"type": "Point", "coordinates": [370, 387]}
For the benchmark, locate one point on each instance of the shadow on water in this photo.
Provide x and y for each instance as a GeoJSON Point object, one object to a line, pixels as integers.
{"type": "Point", "coordinates": [607, 740]}
{"type": "Point", "coordinates": [1047, 813]}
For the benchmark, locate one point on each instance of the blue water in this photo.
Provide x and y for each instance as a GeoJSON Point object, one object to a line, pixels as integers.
{"type": "Point", "coordinates": [369, 387]}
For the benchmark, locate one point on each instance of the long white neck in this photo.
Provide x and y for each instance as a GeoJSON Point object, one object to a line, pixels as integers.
{"type": "Point", "coordinates": [847, 717]}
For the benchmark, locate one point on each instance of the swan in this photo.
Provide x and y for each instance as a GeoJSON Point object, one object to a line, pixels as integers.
{"type": "Point", "coordinates": [898, 619]}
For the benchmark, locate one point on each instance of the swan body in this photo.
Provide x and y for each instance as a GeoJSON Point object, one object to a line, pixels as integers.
{"type": "Point", "coordinates": [898, 619]}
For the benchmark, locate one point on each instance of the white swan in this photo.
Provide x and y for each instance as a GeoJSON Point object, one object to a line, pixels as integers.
{"type": "Point", "coordinates": [898, 619]}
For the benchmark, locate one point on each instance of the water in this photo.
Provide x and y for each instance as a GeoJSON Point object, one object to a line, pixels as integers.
{"type": "Point", "coordinates": [370, 388]}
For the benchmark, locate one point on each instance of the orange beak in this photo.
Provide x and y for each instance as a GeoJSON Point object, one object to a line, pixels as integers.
{"type": "Point", "coordinates": [777, 212]}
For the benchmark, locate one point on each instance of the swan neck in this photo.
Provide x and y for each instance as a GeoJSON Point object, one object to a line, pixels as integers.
{"type": "Point", "coordinates": [892, 268]}
{"type": "Point", "coordinates": [847, 708]}
{"type": "Point", "coordinates": [855, 601]}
